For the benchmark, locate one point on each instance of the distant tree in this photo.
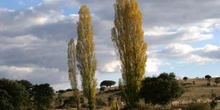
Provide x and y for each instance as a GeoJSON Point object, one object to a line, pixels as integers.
{"type": "Point", "coordinates": [14, 95]}
{"type": "Point", "coordinates": [68, 90]}
{"type": "Point", "coordinates": [61, 91]}
{"type": "Point", "coordinates": [107, 83]}
{"type": "Point", "coordinates": [217, 80]}
{"type": "Point", "coordinates": [128, 37]}
{"type": "Point", "coordinates": [185, 78]}
{"type": "Point", "coordinates": [42, 96]}
{"type": "Point", "coordinates": [86, 60]}
{"type": "Point", "coordinates": [208, 77]}
{"type": "Point", "coordinates": [161, 89]}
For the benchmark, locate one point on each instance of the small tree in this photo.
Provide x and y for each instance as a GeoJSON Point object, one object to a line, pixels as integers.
{"type": "Point", "coordinates": [208, 77]}
{"type": "Point", "coordinates": [217, 80]}
{"type": "Point", "coordinates": [107, 83]}
{"type": "Point", "coordinates": [42, 96]}
{"type": "Point", "coordinates": [161, 89]}
{"type": "Point", "coordinates": [185, 78]}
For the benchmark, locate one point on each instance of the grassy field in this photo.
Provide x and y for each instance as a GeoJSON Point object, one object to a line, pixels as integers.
{"type": "Point", "coordinates": [196, 90]}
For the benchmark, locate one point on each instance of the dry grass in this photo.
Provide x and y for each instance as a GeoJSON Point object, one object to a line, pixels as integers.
{"type": "Point", "coordinates": [199, 92]}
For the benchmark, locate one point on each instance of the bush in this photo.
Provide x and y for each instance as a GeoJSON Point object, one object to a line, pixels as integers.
{"type": "Point", "coordinates": [197, 106]}
{"type": "Point", "coordinates": [61, 91]}
{"type": "Point", "coordinates": [68, 90]}
{"type": "Point", "coordinates": [100, 102]}
{"type": "Point", "coordinates": [161, 90]}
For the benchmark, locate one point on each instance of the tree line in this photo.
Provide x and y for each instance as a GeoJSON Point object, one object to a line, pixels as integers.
{"type": "Point", "coordinates": [23, 95]}
{"type": "Point", "coordinates": [128, 38]}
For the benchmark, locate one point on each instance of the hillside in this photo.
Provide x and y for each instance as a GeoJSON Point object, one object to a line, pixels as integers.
{"type": "Point", "coordinates": [196, 90]}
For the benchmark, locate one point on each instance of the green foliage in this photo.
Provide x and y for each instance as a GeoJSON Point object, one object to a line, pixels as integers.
{"type": "Point", "coordinates": [69, 90]}
{"type": "Point", "coordinates": [197, 106]}
{"type": "Point", "coordinates": [208, 77]}
{"type": "Point", "coordinates": [185, 78]}
{"type": "Point", "coordinates": [107, 83]}
{"type": "Point", "coordinates": [5, 101]}
{"type": "Point", "coordinates": [26, 84]}
{"type": "Point", "coordinates": [14, 95]}
{"type": "Point", "coordinates": [70, 101]}
{"type": "Point", "coordinates": [161, 89]}
{"type": "Point", "coordinates": [61, 91]}
{"type": "Point", "coordinates": [42, 95]}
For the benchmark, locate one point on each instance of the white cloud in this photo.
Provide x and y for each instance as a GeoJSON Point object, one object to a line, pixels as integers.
{"type": "Point", "coordinates": [39, 35]}
{"type": "Point", "coordinates": [152, 66]}
{"type": "Point", "coordinates": [187, 54]}
{"type": "Point", "coordinates": [113, 66]}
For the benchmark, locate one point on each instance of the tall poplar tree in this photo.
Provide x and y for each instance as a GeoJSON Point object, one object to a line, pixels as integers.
{"type": "Point", "coordinates": [128, 37]}
{"type": "Point", "coordinates": [86, 56]}
{"type": "Point", "coordinates": [72, 64]}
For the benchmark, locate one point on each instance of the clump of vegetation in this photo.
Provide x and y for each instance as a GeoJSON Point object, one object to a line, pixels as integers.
{"type": "Point", "coordinates": [185, 78]}
{"type": "Point", "coordinates": [22, 95]}
{"type": "Point", "coordinates": [107, 83]}
{"type": "Point", "coordinates": [161, 90]}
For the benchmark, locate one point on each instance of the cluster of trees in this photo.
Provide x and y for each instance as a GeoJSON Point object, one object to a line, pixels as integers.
{"type": "Point", "coordinates": [128, 38]}
{"type": "Point", "coordinates": [81, 57]}
{"type": "Point", "coordinates": [161, 90]}
{"type": "Point", "coordinates": [22, 95]}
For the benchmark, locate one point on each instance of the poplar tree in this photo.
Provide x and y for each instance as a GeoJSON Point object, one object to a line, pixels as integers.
{"type": "Point", "coordinates": [72, 64]}
{"type": "Point", "coordinates": [128, 37]}
{"type": "Point", "coordinates": [85, 55]}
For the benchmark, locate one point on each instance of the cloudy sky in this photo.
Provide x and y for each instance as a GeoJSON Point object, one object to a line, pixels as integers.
{"type": "Point", "coordinates": [183, 37]}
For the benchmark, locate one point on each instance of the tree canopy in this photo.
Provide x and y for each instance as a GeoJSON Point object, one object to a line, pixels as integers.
{"type": "Point", "coordinates": [185, 78]}
{"type": "Point", "coordinates": [107, 83]}
{"type": "Point", "coordinates": [13, 94]}
{"type": "Point", "coordinates": [42, 95]}
{"type": "Point", "coordinates": [161, 89]}
{"type": "Point", "coordinates": [208, 76]}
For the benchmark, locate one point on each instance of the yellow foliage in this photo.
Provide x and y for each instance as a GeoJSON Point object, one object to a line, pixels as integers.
{"type": "Point", "coordinates": [128, 37]}
{"type": "Point", "coordinates": [85, 55]}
